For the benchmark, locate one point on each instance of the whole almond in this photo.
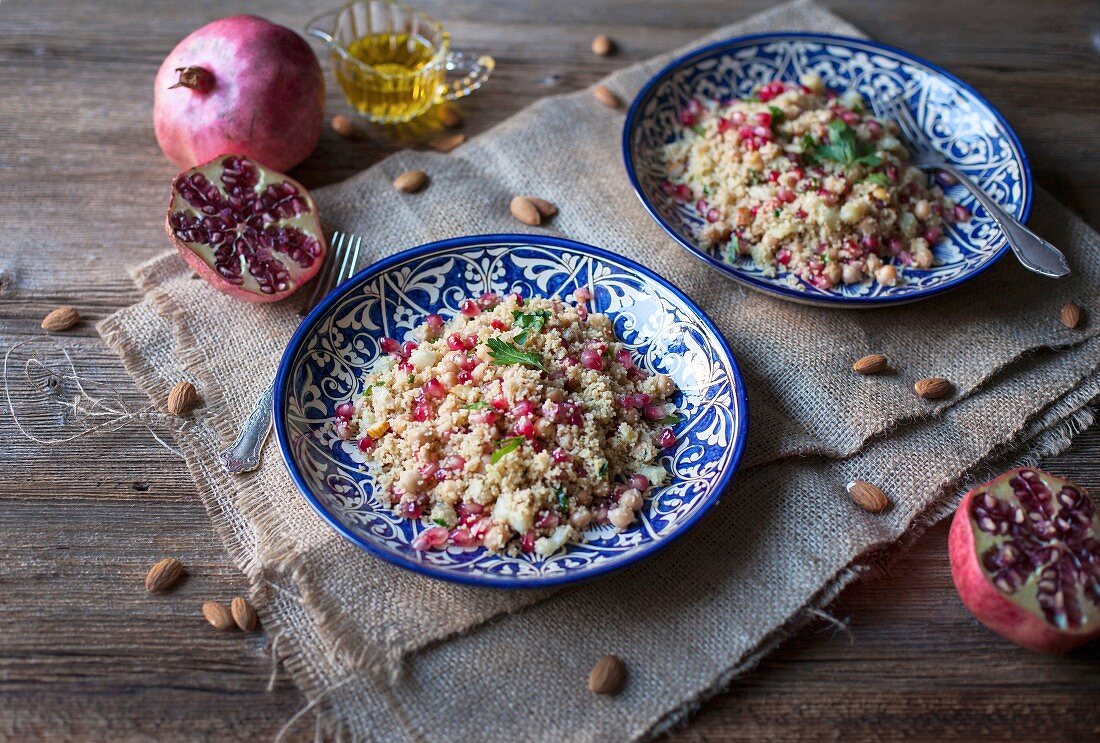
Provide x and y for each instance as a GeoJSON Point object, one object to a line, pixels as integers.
{"type": "Point", "coordinates": [163, 575]}
{"type": "Point", "coordinates": [60, 319]}
{"type": "Point", "coordinates": [546, 208]}
{"type": "Point", "coordinates": [182, 398]}
{"type": "Point", "coordinates": [870, 364]}
{"type": "Point", "coordinates": [243, 614]}
{"type": "Point", "coordinates": [525, 211]}
{"type": "Point", "coordinates": [448, 143]}
{"type": "Point", "coordinates": [867, 496]}
{"type": "Point", "coordinates": [602, 45]}
{"type": "Point", "coordinates": [450, 117]}
{"type": "Point", "coordinates": [932, 388]}
{"type": "Point", "coordinates": [607, 97]}
{"type": "Point", "coordinates": [1071, 315]}
{"type": "Point", "coordinates": [217, 614]}
{"type": "Point", "coordinates": [606, 677]}
{"type": "Point", "coordinates": [410, 181]}
{"type": "Point", "coordinates": [343, 125]}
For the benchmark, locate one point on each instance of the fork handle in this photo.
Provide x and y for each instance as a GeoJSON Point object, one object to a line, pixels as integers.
{"type": "Point", "coordinates": [1035, 253]}
{"type": "Point", "coordinates": [244, 454]}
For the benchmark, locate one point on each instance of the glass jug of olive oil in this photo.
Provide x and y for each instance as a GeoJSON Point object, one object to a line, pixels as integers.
{"type": "Point", "coordinates": [393, 62]}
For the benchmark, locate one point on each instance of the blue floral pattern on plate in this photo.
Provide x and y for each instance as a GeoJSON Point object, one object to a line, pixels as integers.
{"type": "Point", "coordinates": [664, 330]}
{"type": "Point", "coordinates": [962, 124]}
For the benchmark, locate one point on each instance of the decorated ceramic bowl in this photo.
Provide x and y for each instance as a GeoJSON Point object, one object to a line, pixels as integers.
{"type": "Point", "coordinates": [323, 365]}
{"type": "Point", "coordinates": [962, 125]}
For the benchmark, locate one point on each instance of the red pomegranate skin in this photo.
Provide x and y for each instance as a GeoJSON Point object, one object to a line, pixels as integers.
{"type": "Point", "coordinates": [263, 96]}
{"type": "Point", "coordinates": [1026, 627]}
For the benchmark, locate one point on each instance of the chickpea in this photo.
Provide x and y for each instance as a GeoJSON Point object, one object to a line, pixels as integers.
{"type": "Point", "coordinates": [922, 209]}
{"type": "Point", "coordinates": [852, 273]}
{"type": "Point", "coordinates": [546, 429]}
{"type": "Point", "coordinates": [555, 394]}
{"type": "Point", "coordinates": [448, 366]}
{"type": "Point", "coordinates": [448, 379]}
{"type": "Point", "coordinates": [580, 518]}
{"type": "Point", "coordinates": [886, 275]}
{"type": "Point", "coordinates": [631, 499]}
{"type": "Point", "coordinates": [753, 161]}
{"type": "Point", "coordinates": [409, 481]}
{"type": "Point", "coordinates": [832, 272]}
{"type": "Point", "coordinates": [665, 385]}
{"type": "Point", "coordinates": [496, 537]}
{"type": "Point", "coordinates": [621, 517]}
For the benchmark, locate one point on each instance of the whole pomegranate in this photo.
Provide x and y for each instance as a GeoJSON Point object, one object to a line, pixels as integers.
{"type": "Point", "coordinates": [1025, 559]}
{"type": "Point", "coordinates": [251, 232]}
{"type": "Point", "coordinates": [243, 85]}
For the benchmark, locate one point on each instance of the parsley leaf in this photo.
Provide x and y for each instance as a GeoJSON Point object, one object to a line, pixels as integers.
{"type": "Point", "coordinates": [754, 98]}
{"type": "Point", "coordinates": [699, 129]}
{"type": "Point", "coordinates": [844, 148]}
{"type": "Point", "coordinates": [506, 446]}
{"type": "Point", "coordinates": [877, 178]}
{"type": "Point", "coordinates": [603, 469]}
{"type": "Point", "coordinates": [777, 115]}
{"type": "Point", "coordinates": [475, 406]}
{"type": "Point", "coordinates": [411, 378]}
{"type": "Point", "coordinates": [563, 503]}
{"type": "Point", "coordinates": [531, 322]}
{"type": "Point", "coordinates": [734, 249]}
{"type": "Point", "coordinates": [510, 353]}
{"type": "Point", "coordinates": [670, 420]}
{"type": "Point", "coordinates": [440, 522]}
{"type": "Point", "coordinates": [778, 212]}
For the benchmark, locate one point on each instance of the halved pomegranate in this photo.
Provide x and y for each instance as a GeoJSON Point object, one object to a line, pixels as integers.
{"type": "Point", "coordinates": [251, 232]}
{"type": "Point", "coordinates": [1025, 559]}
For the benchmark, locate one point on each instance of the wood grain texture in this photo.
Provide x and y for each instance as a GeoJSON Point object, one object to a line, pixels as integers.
{"type": "Point", "coordinates": [86, 653]}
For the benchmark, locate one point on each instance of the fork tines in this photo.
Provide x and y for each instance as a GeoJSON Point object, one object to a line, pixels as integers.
{"type": "Point", "coordinates": [341, 264]}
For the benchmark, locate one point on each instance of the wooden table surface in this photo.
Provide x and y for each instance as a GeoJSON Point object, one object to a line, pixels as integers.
{"type": "Point", "coordinates": [86, 654]}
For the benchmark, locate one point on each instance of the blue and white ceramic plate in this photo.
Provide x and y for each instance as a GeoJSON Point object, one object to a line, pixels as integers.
{"type": "Point", "coordinates": [323, 365]}
{"type": "Point", "coordinates": [961, 123]}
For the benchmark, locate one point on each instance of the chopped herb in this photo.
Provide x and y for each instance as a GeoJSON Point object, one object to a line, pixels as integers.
{"type": "Point", "coordinates": [754, 98]}
{"type": "Point", "coordinates": [440, 522]}
{"type": "Point", "coordinates": [878, 178]}
{"type": "Point", "coordinates": [475, 406]}
{"type": "Point", "coordinates": [670, 420]}
{"type": "Point", "coordinates": [778, 212]}
{"type": "Point", "coordinates": [706, 191]}
{"type": "Point", "coordinates": [563, 502]}
{"type": "Point", "coordinates": [509, 353]}
{"type": "Point", "coordinates": [366, 392]}
{"type": "Point", "coordinates": [734, 248]}
{"type": "Point", "coordinates": [411, 378]}
{"type": "Point", "coordinates": [857, 107]}
{"type": "Point", "coordinates": [777, 115]}
{"type": "Point", "coordinates": [603, 469]}
{"type": "Point", "coordinates": [698, 129]}
{"type": "Point", "coordinates": [531, 322]}
{"type": "Point", "coordinates": [844, 148]}
{"type": "Point", "coordinates": [506, 446]}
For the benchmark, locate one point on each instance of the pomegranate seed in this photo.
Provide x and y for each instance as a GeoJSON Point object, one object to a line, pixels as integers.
{"type": "Point", "coordinates": [488, 417]}
{"type": "Point", "coordinates": [773, 175]}
{"type": "Point", "coordinates": [570, 361]}
{"type": "Point", "coordinates": [481, 526]}
{"type": "Point", "coordinates": [724, 125]}
{"type": "Point", "coordinates": [800, 213]}
{"type": "Point", "coordinates": [469, 308]}
{"type": "Point", "coordinates": [434, 537]}
{"type": "Point", "coordinates": [764, 118]}
{"type": "Point", "coordinates": [422, 411]}
{"type": "Point", "coordinates": [428, 469]}
{"type": "Point", "coordinates": [498, 325]}
{"type": "Point", "coordinates": [463, 377]}
{"type": "Point", "coordinates": [525, 428]}
{"type": "Point", "coordinates": [434, 388]}
{"type": "Point", "coordinates": [454, 462]}
{"type": "Point", "coordinates": [471, 342]}
{"type": "Point", "coordinates": [366, 443]}
{"type": "Point", "coordinates": [745, 132]}
{"type": "Point", "coordinates": [467, 364]}
{"type": "Point", "coordinates": [701, 206]}
{"type": "Point", "coordinates": [575, 419]}
{"type": "Point", "coordinates": [409, 347]}
{"type": "Point", "coordinates": [796, 173]}
{"type": "Point", "coordinates": [894, 245]}
{"type": "Point", "coordinates": [466, 509]}
{"type": "Point", "coordinates": [523, 407]}
{"type": "Point", "coordinates": [667, 187]}
{"type": "Point", "coordinates": [667, 438]}
{"type": "Point", "coordinates": [851, 118]}
{"type": "Point", "coordinates": [683, 192]}
{"type": "Point", "coordinates": [547, 520]}
{"type": "Point", "coordinates": [785, 195]}
{"type": "Point", "coordinates": [892, 173]}
{"type": "Point", "coordinates": [783, 257]}
{"type": "Point", "coordinates": [527, 542]}
{"type": "Point", "coordinates": [623, 357]}
{"type": "Point", "coordinates": [687, 118]}
{"type": "Point", "coordinates": [499, 403]}
{"type": "Point", "coordinates": [713, 215]}
{"type": "Point", "coordinates": [904, 258]}
{"type": "Point", "coordinates": [875, 128]}
{"type": "Point", "coordinates": [639, 482]}
{"type": "Point", "coordinates": [591, 359]}
{"type": "Point", "coordinates": [345, 410]}
{"type": "Point", "coordinates": [389, 345]}
{"type": "Point", "coordinates": [410, 510]}
{"type": "Point", "coordinates": [434, 322]}
{"type": "Point", "coordinates": [932, 234]}
{"type": "Point", "coordinates": [582, 312]}
{"type": "Point", "coordinates": [463, 538]}
{"type": "Point", "coordinates": [654, 412]}
{"type": "Point", "coordinates": [737, 118]}
{"type": "Point", "coordinates": [488, 299]}
{"type": "Point", "coordinates": [561, 456]}
{"type": "Point", "coordinates": [582, 294]}
{"type": "Point", "coordinates": [961, 214]}
{"type": "Point", "coordinates": [870, 242]}
{"type": "Point", "coordinates": [454, 342]}
{"type": "Point", "coordinates": [517, 298]}
{"type": "Point", "coordinates": [762, 132]}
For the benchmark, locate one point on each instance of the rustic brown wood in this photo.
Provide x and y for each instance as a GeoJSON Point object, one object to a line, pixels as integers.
{"type": "Point", "coordinates": [86, 653]}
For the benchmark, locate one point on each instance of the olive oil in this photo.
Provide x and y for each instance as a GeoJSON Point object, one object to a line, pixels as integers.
{"type": "Point", "coordinates": [396, 81]}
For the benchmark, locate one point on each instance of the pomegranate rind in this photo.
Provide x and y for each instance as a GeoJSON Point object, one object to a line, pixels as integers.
{"type": "Point", "coordinates": [1013, 611]}
{"type": "Point", "coordinates": [283, 244]}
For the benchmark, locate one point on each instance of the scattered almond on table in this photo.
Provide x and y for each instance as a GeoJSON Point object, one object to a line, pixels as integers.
{"type": "Point", "coordinates": [343, 125]}
{"type": "Point", "coordinates": [448, 143]}
{"type": "Point", "coordinates": [932, 388]}
{"type": "Point", "coordinates": [450, 117]}
{"type": "Point", "coordinates": [182, 398]}
{"type": "Point", "coordinates": [870, 364]}
{"type": "Point", "coordinates": [607, 97]}
{"type": "Point", "coordinates": [60, 319]}
{"type": "Point", "coordinates": [602, 45]}
{"type": "Point", "coordinates": [163, 575]}
{"type": "Point", "coordinates": [525, 211]}
{"type": "Point", "coordinates": [867, 496]}
{"type": "Point", "coordinates": [546, 208]}
{"type": "Point", "coordinates": [243, 614]}
{"type": "Point", "coordinates": [1071, 315]}
{"type": "Point", "coordinates": [607, 676]}
{"type": "Point", "coordinates": [410, 181]}
{"type": "Point", "coordinates": [218, 615]}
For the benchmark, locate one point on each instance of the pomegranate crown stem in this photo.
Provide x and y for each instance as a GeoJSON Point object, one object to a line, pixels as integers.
{"type": "Point", "coordinates": [198, 79]}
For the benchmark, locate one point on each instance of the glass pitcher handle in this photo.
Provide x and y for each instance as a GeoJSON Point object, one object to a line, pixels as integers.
{"type": "Point", "coordinates": [473, 72]}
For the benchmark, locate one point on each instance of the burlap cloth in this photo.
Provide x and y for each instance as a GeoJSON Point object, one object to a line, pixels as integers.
{"type": "Point", "coordinates": [393, 656]}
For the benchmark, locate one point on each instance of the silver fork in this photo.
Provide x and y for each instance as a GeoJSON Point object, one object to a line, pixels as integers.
{"type": "Point", "coordinates": [244, 454]}
{"type": "Point", "coordinates": [1035, 253]}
